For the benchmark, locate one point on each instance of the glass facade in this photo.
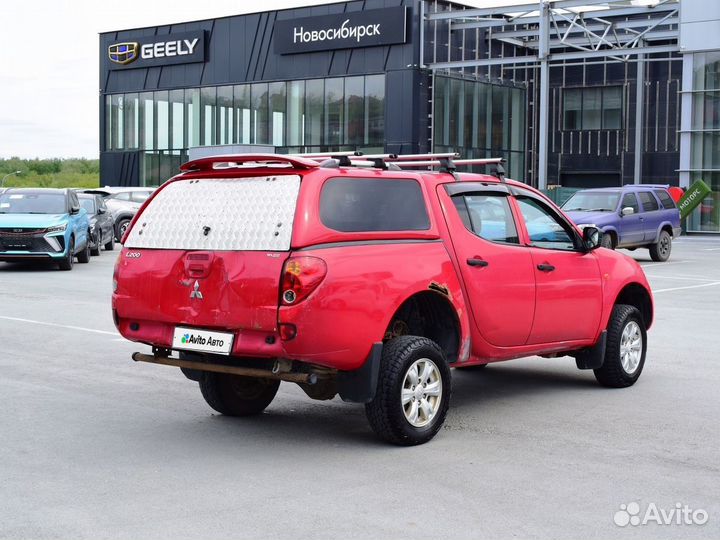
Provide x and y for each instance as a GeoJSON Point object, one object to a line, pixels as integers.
{"type": "Point", "coordinates": [705, 139]}
{"type": "Point", "coordinates": [480, 119]}
{"type": "Point", "coordinates": [316, 115]}
{"type": "Point", "coordinates": [592, 108]}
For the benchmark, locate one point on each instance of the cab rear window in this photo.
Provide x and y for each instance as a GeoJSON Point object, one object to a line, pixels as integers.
{"type": "Point", "coordinates": [363, 205]}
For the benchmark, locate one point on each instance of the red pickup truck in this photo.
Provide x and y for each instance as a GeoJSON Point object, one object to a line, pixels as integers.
{"type": "Point", "coordinates": [365, 277]}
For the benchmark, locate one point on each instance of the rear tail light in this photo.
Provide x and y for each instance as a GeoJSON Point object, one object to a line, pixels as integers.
{"type": "Point", "coordinates": [301, 276]}
{"type": "Point", "coordinates": [115, 274]}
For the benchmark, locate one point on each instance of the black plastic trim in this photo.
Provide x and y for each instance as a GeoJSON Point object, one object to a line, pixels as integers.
{"type": "Point", "coordinates": [592, 357]}
{"type": "Point", "coordinates": [359, 386]}
{"type": "Point", "coordinates": [476, 187]}
{"type": "Point", "coordinates": [370, 243]}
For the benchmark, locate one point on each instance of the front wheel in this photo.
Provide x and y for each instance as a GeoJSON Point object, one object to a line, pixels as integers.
{"type": "Point", "coordinates": [67, 262]}
{"type": "Point", "coordinates": [607, 241]}
{"type": "Point", "coordinates": [413, 393]}
{"type": "Point", "coordinates": [625, 349]}
{"type": "Point", "coordinates": [84, 255]}
{"type": "Point", "coordinates": [660, 251]}
{"type": "Point", "coordinates": [235, 395]}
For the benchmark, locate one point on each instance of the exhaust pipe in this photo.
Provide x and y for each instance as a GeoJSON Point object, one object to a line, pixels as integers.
{"type": "Point", "coordinates": [306, 378]}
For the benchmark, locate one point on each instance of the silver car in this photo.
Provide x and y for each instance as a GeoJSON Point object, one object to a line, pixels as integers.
{"type": "Point", "coordinates": [123, 203]}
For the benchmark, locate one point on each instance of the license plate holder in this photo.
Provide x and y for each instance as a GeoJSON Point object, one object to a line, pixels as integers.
{"type": "Point", "coordinates": [195, 339]}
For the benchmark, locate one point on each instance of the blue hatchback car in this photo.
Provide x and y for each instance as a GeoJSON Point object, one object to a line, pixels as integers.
{"type": "Point", "coordinates": [633, 216]}
{"type": "Point", "coordinates": [43, 224]}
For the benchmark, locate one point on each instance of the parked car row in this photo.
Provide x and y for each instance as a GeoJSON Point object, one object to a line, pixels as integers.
{"type": "Point", "coordinates": [632, 216]}
{"type": "Point", "coordinates": [44, 224]}
{"type": "Point", "coordinates": [62, 225]}
{"type": "Point", "coordinates": [123, 203]}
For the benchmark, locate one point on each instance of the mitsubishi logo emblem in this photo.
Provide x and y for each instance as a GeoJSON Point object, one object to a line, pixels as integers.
{"type": "Point", "coordinates": [195, 293]}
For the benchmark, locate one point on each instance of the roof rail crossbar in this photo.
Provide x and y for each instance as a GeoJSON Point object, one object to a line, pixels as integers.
{"type": "Point", "coordinates": [231, 161]}
{"type": "Point", "coordinates": [416, 157]}
{"type": "Point", "coordinates": [439, 162]}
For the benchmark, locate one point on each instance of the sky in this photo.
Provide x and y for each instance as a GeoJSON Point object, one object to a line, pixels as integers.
{"type": "Point", "coordinates": [49, 63]}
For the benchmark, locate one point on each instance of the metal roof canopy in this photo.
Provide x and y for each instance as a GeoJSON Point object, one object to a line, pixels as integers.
{"type": "Point", "coordinates": [553, 32]}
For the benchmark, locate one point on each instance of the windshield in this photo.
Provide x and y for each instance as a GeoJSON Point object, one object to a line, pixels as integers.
{"type": "Point", "coordinates": [592, 201]}
{"type": "Point", "coordinates": [32, 203]}
{"type": "Point", "coordinates": [88, 204]}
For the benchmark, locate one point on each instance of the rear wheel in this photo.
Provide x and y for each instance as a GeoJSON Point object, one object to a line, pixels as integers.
{"type": "Point", "coordinates": [110, 243]}
{"type": "Point", "coordinates": [234, 395]}
{"type": "Point", "coordinates": [660, 251]}
{"type": "Point", "coordinates": [413, 393]}
{"type": "Point", "coordinates": [625, 349]}
{"type": "Point", "coordinates": [67, 262]}
{"type": "Point", "coordinates": [95, 249]}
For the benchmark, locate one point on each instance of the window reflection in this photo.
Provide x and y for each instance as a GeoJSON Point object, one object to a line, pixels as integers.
{"type": "Point", "coordinates": [293, 116]}
{"type": "Point", "coordinates": [480, 119]}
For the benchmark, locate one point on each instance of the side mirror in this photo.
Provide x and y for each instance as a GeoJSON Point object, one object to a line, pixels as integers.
{"type": "Point", "coordinates": [102, 211]}
{"type": "Point", "coordinates": [627, 211]}
{"type": "Point", "coordinates": [592, 238]}
{"type": "Point", "coordinates": [74, 210]}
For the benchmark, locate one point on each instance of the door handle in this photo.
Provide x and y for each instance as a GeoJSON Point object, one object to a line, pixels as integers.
{"type": "Point", "coordinates": [545, 267]}
{"type": "Point", "coordinates": [477, 262]}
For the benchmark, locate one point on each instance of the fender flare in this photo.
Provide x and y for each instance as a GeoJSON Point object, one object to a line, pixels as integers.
{"type": "Point", "coordinates": [663, 225]}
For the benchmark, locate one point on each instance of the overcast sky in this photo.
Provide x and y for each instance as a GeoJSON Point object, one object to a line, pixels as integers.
{"type": "Point", "coordinates": [49, 64]}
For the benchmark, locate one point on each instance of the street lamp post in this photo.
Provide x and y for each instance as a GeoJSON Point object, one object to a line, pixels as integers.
{"type": "Point", "coordinates": [2, 183]}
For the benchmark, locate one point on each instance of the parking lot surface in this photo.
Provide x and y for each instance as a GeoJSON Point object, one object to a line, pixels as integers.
{"type": "Point", "coordinates": [96, 446]}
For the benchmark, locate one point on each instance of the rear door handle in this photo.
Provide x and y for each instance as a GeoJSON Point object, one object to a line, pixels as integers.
{"type": "Point", "coordinates": [545, 267]}
{"type": "Point", "coordinates": [477, 262]}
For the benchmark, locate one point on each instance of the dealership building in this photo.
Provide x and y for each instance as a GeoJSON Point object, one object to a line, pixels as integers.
{"type": "Point", "coordinates": [574, 93]}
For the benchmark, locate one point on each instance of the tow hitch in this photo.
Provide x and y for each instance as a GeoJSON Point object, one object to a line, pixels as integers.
{"type": "Point", "coordinates": [277, 374]}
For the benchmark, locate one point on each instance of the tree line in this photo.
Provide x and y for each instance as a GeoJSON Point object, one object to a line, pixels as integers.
{"type": "Point", "coordinates": [55, 172]}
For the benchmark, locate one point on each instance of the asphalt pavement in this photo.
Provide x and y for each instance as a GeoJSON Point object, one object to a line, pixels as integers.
{"type": "Point", "coordinates": [93, 445]}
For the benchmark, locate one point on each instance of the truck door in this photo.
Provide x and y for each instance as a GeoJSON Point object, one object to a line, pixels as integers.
{"type": "Point", "coordinates": [568, 302]}
{"type": "Point", "coordinates": [497, 271]}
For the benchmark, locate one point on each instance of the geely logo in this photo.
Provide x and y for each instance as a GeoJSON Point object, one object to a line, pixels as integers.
{"type": "Point", "coordinates": [123, 53]}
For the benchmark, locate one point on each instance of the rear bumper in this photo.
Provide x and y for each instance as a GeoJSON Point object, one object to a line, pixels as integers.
{"type": "Point", "coordinates": [256, 344]}
{"type": "Point", "coordinates": [677, 231]}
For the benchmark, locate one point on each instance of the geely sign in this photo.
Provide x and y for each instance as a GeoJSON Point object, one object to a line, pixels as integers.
{"type": "Point", "coordinates": [123, 53]}
{"type": "Point", "coordinates": [369, 28]}
{"type": "Point", "coordinates": [149, 51]}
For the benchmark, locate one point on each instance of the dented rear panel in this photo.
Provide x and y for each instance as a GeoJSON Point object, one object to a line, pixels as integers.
{"type": "Point", "coordinates": [207, 253]}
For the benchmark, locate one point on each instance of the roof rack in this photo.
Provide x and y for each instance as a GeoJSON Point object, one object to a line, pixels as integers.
{"type": "Point", "coordinates": [665, 186]}
{"type": "Point", "coordinates": [447, 161]}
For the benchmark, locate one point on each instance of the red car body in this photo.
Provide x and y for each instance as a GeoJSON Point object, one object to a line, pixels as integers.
{"type": "Point", "coordinates": [491, 300]}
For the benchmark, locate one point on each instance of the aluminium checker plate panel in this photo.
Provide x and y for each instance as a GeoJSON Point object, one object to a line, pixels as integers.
{"type": "Point", "coordinates": [239, 214]}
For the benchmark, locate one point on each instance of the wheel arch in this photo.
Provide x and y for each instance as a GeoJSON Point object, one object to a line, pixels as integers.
{"type": "Point", "coordinates": [431, 314]}
{"type": "Point", "coordinates": [634, 294]}
{"type": "Point", "coordinates": [613, 233]}
{"type": "Point", "coordinates": [664, 226]}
